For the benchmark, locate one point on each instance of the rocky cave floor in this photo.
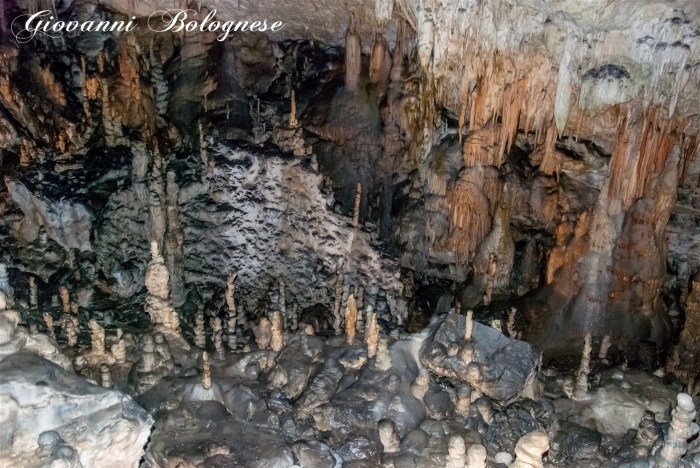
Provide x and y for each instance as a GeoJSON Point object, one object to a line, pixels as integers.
{"type": "Point", "coordinates": [313, 387]}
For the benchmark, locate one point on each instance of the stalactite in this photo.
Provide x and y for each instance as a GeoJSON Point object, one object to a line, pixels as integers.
{"type": "Point", "coordinates": [380, 61]}
{"type": "Point", "coordinates": [383, 10]}
{"type": "Point", "coordinates": [425, 39]}
{"type": "Point", "coordinates": [550, 160]}
{"type": "Point", "coordinates": [462, 117]}
{"type": "Point", "coordinates": [471, 203]}
{"type": "Point", "coordinates": [353, 57]}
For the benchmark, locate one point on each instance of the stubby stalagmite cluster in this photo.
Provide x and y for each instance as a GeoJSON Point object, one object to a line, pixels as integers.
{"type": "Point", "coordinates": [391, 234]}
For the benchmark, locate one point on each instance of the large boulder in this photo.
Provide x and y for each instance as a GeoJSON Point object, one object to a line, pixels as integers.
{"type": "Point", "coordinates": [501, 368]}
{"type": "Point", "coordinates": [47, 412]}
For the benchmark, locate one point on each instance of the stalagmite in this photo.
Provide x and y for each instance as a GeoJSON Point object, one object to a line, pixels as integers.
{"type": "Point", "coordinates": [48, 320]}
{"type": "Point", "coordinates": [164, 319]}
{"type": "Point", "coordinates": [476, 456]}
{"type": "Point", "coordinates": [483, 405]}
{"type": "Point", "coordinates": [33, 302]}
{"type": "Point", "coordinates": [604, 347]}
{"type": "Point", "coordinates": [337, 319]}
{"type": "Point", "coordinates": [294, 317]}
{"type": "Point", "coordinates": [293, 122]}
{"type": "Point", "coordinates": [217, 337]}
{"type": "Point", "coordinates": [118, 350]}
{"type": "Point", "coordinates": [456, 453]}
{"type": "Point", "coordinates": [65, 299]}
{"type": "Point", "coordinates": [356, 212]}
{"type": "Point", "coordinates": [350, 319]}
{"type": "Point", "coordinates": [174, 241]}
{"type": "Point", "coordinates": [263, 333]}
{"type": "Point", "coordinates": [464, 400]}
{"type": "Point", "coordinates": [231, 305]}
{"type": "Point", "coordinates": [510, 325]}
{"type": "Point", "coordinates": [97, 336]}
{"type": "Point", "coordinates": [493, 265]}
{"type": "Point", "coordinates": [469, 325]}
{"type": "Point", "coordinates": [372, 335]}
{"type": "Point", "coordinates": [419, 387]}
{"type": "Point", "coordinates": [682, 428]}
{"type": "Point", "coordinates": [581, 391]}
{"type": "Point", "coordinates": [276, 329]}
{"type": "Point", "coordinates": [360, 302]}
{"type": "Point", "coordinates": [353, 57]}
{"type": "Point", "coordinates": [199, 336]}
{"type": "Point", "coordinates": [383, 361]}
{"type": "Point", "coordinates": [70, 328]}
{"type": "Point", "coordinates": [106, 376]}
{"type": "Point", "coordinates": [388, 436]}
{"type": "Point", "coordinates": [530, 448]}
{"type": "Point", "coordinates": [202, 145]}
{"type": "Point", "coordinates": [206, 371]}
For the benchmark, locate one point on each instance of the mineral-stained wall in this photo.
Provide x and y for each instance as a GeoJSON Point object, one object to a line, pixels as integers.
{"type": "Point", "coordinates": [542, 156]}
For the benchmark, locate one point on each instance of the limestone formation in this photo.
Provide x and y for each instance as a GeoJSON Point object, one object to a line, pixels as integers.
{"type": "Point", "coordinates": [231, 320]}
{"type": "Point", "coordinates": [48, 320]}
{"type": "Point", "coordinates": [510, 325]}
{"type": "Point", "coordinates": [217, 333]}
{"type": "Point", "coordinates": [277, 332]}
{"type": "Point", "coordinates": [164, 319]}
{"type": "Point", "coordinates": [372, 335]}
{"type": "Point", "coordinates": [420, 386]}
{"type": "Point", "coordinates": [33, 302]}
{"type": "Point", "coordinates": [70, 329]}
{"type": "Point", "coordinates": [530, 448]}
{"type": "Point", "coordinates": [581, 391]}
{"type": "Point", "coordinates": [337, 319]}
{"type": "Point", "coordinates": [97, 336]}
{"type": "Point", "coordinates": [199, 336]}
{"type": "Point", "coordinates": [206, 371]}
{"type": "Point", "coordinates": [356, 211]}
{"type": "Point", "coordinates": [118, 350]}
{"type": "Point", "coordinates": [476, 456]}
{"type": "Point", "coordinates": [383, 361]}
{"type": "Point", "coordinates": [604, 347]}
{"type": "Point", "coordinates": [456, 453]}
{"type": "Point", "coordinates": [464, 400]}
{"type": "Point", "coordinates": [682, 428]}
{"type": "Point", "coordinates": [105, 376]}
{"type": "Point", "coordinates": [65, 299]}
{"type": "Point", "coordinates": [468, 329]}
{"type": "Point", "coordinates": [388, 436]}
{"type": "Point", "coordinates": [350, 319]}
{"type": "Point", "coordinates": [263, 333]}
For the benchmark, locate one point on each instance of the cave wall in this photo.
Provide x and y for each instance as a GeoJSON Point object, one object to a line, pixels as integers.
{"type": "Point", "coordinates": [551, 167]}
